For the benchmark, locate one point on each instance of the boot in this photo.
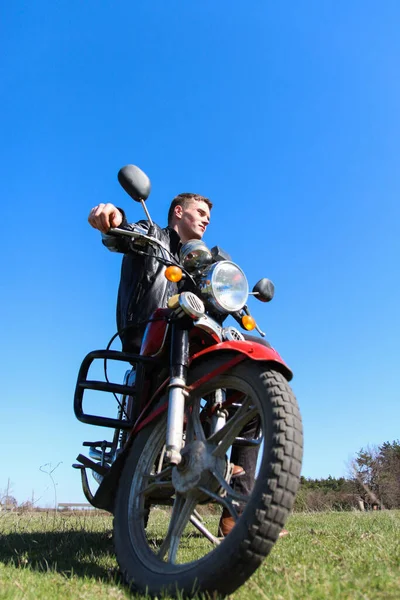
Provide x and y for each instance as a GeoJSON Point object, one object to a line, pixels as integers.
{"type": "Point", "coordinates": [227, 523]}
{"type": "Point", "coordinates": [237, 471]}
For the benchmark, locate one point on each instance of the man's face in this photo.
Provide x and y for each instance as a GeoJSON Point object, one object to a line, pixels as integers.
{"type": "Point", "coordinates": [192, 220]}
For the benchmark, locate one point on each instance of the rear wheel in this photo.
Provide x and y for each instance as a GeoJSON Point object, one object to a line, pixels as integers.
{"type": "Point", "coordinates": [179, 551]}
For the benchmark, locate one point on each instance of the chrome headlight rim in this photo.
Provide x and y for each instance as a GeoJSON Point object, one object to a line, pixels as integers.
{"type": "Point", "coordinates": [207, 287]}
{"type": "Point", "coordinates": [194, 255]}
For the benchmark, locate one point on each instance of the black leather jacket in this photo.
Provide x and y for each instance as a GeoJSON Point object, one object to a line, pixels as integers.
{"type": "Point", "coordinates": [143, 287]}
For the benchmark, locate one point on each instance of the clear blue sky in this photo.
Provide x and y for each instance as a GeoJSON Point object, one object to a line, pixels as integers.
{"type": "Point", "coordinates": [285, 114]}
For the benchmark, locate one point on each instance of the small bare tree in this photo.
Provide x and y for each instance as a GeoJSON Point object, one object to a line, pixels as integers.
{"type": "Point", "coordinates": [7, 500]}
{"type": "Point", "coordinates": [49, 470]}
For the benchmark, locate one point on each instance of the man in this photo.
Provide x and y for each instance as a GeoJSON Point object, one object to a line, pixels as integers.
{"type": "Point", "coordinates": [143, 288]}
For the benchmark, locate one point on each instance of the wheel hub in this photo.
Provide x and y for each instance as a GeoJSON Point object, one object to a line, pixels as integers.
{"type": "Point", "coordinates": [196, 468]}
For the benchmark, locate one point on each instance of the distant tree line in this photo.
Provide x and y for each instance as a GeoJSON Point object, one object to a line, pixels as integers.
{"type": "Point", "coordinates": [373, 483]}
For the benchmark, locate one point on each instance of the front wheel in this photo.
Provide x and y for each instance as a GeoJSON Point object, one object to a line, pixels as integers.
{"type": "Point", "coordinates": [163, 544]}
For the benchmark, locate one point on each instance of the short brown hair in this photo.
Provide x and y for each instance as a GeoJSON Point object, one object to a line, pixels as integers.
{"type": "Point", "coordinates": [184, 200]}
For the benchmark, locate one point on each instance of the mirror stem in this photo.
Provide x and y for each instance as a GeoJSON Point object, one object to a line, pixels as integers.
{"type": "Point", "coordinates": [147, 213]}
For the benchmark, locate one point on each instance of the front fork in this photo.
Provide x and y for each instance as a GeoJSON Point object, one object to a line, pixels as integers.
{"type": "Point", "coordinates": [179, 360]}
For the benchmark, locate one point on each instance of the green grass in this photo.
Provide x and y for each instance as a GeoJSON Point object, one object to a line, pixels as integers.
{"type": "Point", "coordinates": [327, 555]}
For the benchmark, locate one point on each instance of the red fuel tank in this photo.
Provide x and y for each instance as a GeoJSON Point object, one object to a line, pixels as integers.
{"type": "Point", "coordinates": [155, 333]}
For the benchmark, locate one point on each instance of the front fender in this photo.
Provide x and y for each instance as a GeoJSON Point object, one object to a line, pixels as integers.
{"type": "Point", "coordinates": [250, 349]}
{"type": "Point", "coordinates": [238, 351]}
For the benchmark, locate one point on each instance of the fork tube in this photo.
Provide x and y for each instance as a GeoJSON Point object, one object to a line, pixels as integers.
{"type": "Point", "coordinates": [176, 407]}
{"type": "Point", "coordinates": [218, 418]}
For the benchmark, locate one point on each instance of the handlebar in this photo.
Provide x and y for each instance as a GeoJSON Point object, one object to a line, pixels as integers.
{"type": "Point", "coordinates": [136, 234]}
{"type": "Point", "coordinates": [141, 235]}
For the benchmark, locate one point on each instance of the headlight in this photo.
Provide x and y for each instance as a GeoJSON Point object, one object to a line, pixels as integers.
{"type": "Point", "coordinates": [225, 286]}
{"type": "Point", "coordinates": [194, 255]}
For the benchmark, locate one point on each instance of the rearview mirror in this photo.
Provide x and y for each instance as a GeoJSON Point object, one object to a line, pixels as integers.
{"type": "Point", "coordinates": [264, 290]}
{"type": "Point", "coordinates": [135, 182]}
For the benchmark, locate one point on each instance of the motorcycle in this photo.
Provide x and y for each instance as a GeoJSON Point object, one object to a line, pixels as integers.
{"type": "Point", "coordinates": [198, 392]}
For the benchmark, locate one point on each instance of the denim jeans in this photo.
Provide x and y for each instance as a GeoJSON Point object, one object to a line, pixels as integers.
{"type": "Point", "coordinates": [246, 457]}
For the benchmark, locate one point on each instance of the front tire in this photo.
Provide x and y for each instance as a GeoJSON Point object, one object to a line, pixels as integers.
{"type": "Point", "coordinates": [173, 563]}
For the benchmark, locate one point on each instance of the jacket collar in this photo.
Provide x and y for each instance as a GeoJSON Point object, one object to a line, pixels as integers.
{"type": "Point", "coordinates": [175, 240]}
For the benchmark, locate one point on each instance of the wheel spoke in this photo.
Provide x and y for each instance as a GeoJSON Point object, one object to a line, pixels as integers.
{"type": "Point", "coordinates": [229, 491]}
{"type": "Point", "coordinates": [156, 485]}
{"type": "Point", "coordinates": [157, 481]}
{"type": "Point", "coordinates": [225, 436]}
{"type": "Point", "coordinates": [167, 472]}
{"type": "Point", "coordinates": [181, 513]}
{"type": "Point", "coordinates": [194, 429]}
{"type": "Point", "coordinates": [223, 501]}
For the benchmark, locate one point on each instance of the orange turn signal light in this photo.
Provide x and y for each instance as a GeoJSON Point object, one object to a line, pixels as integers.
{"type": "Point", "coordinates": [173, 274]}
{"type": "Point", "coordinates": [248, 322]}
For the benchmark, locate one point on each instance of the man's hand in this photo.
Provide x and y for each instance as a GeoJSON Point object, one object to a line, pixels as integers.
{"type": "Point", "coordinates": [104, 216]}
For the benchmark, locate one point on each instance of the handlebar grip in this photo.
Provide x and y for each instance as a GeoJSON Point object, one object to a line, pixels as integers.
{"type": "Point", "coordinates": [152, 230]}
